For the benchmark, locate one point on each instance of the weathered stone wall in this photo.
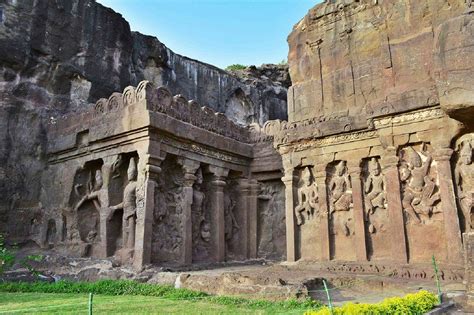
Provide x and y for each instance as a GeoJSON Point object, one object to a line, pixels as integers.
{"type": "Point", "coordinates": [57, 57]}
{"type": "Point", "coordinates": [359, 59]}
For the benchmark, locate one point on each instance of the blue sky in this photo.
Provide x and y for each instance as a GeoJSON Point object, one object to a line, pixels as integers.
{"type": "Point", "coordinates": [219, 32]}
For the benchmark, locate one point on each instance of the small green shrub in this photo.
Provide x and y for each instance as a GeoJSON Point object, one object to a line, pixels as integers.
{"type": "Point", "coordinates": [411, 304]}
{"type": "Point", "coordinates": [8, 258]}
{"type": "Point", "coordinates": [236, 67]}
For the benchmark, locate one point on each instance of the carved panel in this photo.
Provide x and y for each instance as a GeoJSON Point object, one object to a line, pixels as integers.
{"type": "Point", "coordinates": [307, 204]}
{"type": "Point", "coordinates": [464, 180]}
{"type": "Point", "coordinates": [375, 206]}
{"type": "Point", "coordinates": [271, 234]}
{"type": "Point", "coordinates": [167, 235]}
{"type": "Point", "coordinates": [421, 203]}
{"type": "Point", "coordinates": [341, 216]}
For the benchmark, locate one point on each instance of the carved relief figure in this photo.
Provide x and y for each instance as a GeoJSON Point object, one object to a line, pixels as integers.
{"type": "Point", "coordinates": [339, 185]}
{"type": "Point", "coordinates": [231, 225]}
{"type": "Point", "coordinates": [98, 194]}
{"type": "Point", "coordinates": [419, 193]}
{"type": "Point", "coordinates": [197, 210]}
{"type": "Point", "coordinates": [464, 175]}
{"type": "Point", "coordinates": [340, 194]}
{"type": "Point", "coordinates": [307, 197]}
{"type": "Point", "coordinates": [129, 206]}
{"type": "Point", "coordinates": [374, 191]}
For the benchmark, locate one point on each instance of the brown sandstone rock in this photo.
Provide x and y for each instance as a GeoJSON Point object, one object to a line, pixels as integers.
{"type": "Point", "coordinates": [370, 58]}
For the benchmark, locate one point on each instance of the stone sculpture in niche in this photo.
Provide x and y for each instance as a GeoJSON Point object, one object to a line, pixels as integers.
{"type": "Point", "coordinates": [231, 225]}
{"type": "Point", "coordinates": [98, 194]}
{"type": "Point", "coordinates": [197, 209]}
{"type": "Point", "coordinates": [374, 190]}
{"type": "Point", "coordinates": [419, 193]}
{"type": "Point", "coordinates": [307, 197]}
{"type": "Point", "coordinates": [340, 194]}
{"type": "Point", "coordinates": [129, 206]}
{"type": "Point", "coordinates": [464, 175]}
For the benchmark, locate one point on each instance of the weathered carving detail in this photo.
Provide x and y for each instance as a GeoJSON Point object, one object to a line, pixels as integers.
{"type": "Point", "coordinates": [129, 206]}
{"type": "Point", "coordinates": [374, 192]}
{"type": "Point", "coordinates": [420, 192]}
{"type": "Point", "coordinates": [415, 116]}
{"type": "Point", "coordinates": [464, 176]}
{"type": "Point", "coordinates": [340, 199]}
{"type": "Point", "coordinates": [307, 197]}
{"type": "Point", "coordinates": [162, 101]}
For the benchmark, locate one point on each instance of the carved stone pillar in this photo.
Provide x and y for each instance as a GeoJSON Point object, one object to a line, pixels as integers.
{"type": "Point", "coordinates": [359, 216]}
{"type": "Point", "coordinates": [217, 211]}
{"type": "Point", "coordinates": [320, 178]}
{"type": "Point", "coordinates": [243, 216]}
{"type": "Point", "coordinates": [148, 172]}
{"type": "Point", "coordinates": [290, 192]}
{"type": "Point", "coordinates": [395, 209]}
{"type": "Point", "coordinates": [105, 237]}
{"type": "Point", "coordinates": [253, 219]}
{"type": "Point", "coordinates": [448, 202]}
{"type": "Point", "coordinates": [189, 167]}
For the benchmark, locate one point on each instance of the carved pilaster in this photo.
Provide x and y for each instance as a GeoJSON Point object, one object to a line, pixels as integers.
{"type": "Point", "coordinates": [105, 239]}
{"type": "Point", "coordinates": [359, 217]}
{"type": "Point", "coordinates": [290, 192]}
{"type": "Point", "coordinates": [320, 178]}
{"type": "Point", "coordinates": [189, 167]}
{"type": "Point", "coordinates": [244, 215]}
{"type": "Point", "coordinates": [252, 218]}
{"type": "Point", "coordinates": [395, 209]}
{"type": "Point", "coordinates": [148, 172]}
{"type": "Point", "coordinates": [451, 219]}
{"type": "Point", "coordinates": [218, 183]}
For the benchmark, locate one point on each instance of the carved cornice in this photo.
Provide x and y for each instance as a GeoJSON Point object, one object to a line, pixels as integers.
{"type": "Point", "coordinates": [161, 100]}
{"type": "Point", "coordinates": [201, 150]}
{"type": "Point", "coordinates": [401, 119]}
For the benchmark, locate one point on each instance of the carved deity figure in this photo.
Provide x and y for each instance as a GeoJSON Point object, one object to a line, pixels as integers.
{"type": "Point", "coordinates": [129, 206]}
{"type": "Point", "coordinates": [340, 196]}
{"type": "Point", "coordinates": [374, 188]}
{"type": "Point", "coordinates": [419, 197]}
{"type": "Point", "coordinates": [339, 186]}
{"type": "Point", "coordinates": [307, 197]}
{"type": "Point", "coordinates": [197, 207]}
{"type": "Point", "coordinates": [464, 175]}
{"type": "Point", "coordinates": [98, 194]}
{"type": "Point", "coordinates": [231, 225]}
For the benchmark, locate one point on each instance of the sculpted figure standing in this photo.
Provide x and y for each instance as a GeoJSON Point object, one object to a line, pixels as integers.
{"type": "Point", "coordinates": [340, 197]}
{"type": "Point", "coordinates": [307, 197]}
{"type": "Point", "coordinates": [99, 195]}
{"type": "Point", "coordinates": [419, 197]}
{"type": "Point", "coordinates": [339, 185]}
{"type": "Point", "coordinates": [374, 188]}
{"type": "Point", "coordinates": [464, 175]}
{"type": "Point", "coordinates": [197, 210]}
{"type": "Point", "coordinates": [129, 206]}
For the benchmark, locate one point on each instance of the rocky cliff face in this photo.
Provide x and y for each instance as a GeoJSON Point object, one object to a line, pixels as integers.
{"type": "Point", "coordinates": [61, 56]}
{"type": "Point", "coordinates": [365, 58]}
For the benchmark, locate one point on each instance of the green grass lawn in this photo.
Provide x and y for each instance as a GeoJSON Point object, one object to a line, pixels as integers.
{"type": "Point", "coordinates": [77, 303]}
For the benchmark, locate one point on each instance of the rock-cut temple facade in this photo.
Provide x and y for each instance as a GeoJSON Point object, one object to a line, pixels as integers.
{"type": "Point", "coordinates": [372, 171]}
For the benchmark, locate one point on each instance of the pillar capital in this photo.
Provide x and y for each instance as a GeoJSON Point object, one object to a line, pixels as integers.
{"type": "Point", "coordinates": [189, 167]}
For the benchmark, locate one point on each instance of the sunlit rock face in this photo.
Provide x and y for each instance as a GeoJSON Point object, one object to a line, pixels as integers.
{"type": "Point", "coordinates": [58, 57]}
{"type": "Point", "coordinates": [372, 57]}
